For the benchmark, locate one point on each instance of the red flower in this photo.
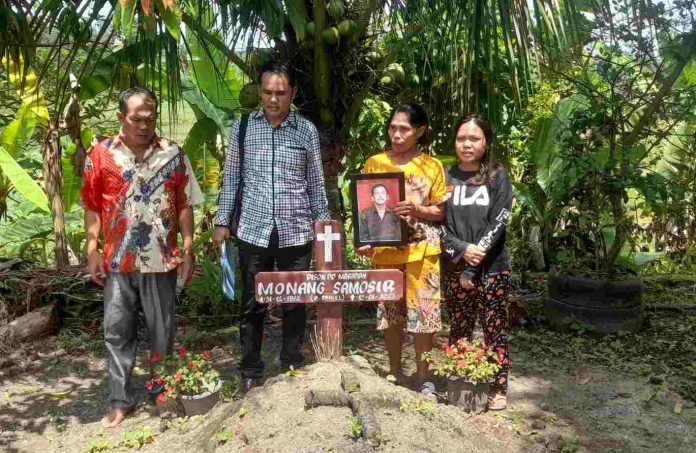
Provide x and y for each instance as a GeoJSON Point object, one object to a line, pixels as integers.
{"type": "Point", "coordinates": [500, 351]}
{"type": "Point", "coordinates": [178, 376]}
{"type": "Point", "coordinates": [208, 355]}
{"type": "Point", "coordinates": [182, 351]}
{"type": "Point", "coordinates": [149, 385]}
{"type": "Point", "coordinates": [155, 357]}
{"type": "Point", "coordinates": [461, 363]}
{"type": "Point", "coordinates": [161, 398]}
{"type": "Point", "coordinates": [159, 381]}
{"type": "Point", "coordinates": [191, 364]}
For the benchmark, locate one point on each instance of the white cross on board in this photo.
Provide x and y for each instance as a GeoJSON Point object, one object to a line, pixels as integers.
{"type": "Point", "coordinates": [327, 237]}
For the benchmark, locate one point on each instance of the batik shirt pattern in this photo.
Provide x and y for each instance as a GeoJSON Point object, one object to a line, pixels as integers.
{"type": "Point", "coordinates": [139, 203]}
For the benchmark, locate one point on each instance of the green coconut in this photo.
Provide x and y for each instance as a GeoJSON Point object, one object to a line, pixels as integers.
{"type": "Point", "coordinates": [347, 27]}
{"type": "Point", "coordinates": [397, 72]}
{"type": "Point", "coordinates": [249, 96]}
{"type": "Point", "coordinates": [310, 28]}
{"type": "Point", "coordinates": [336, 9]}
{"type": "Point", "coordinates": [373, 57]}
{"type": "Point", "coordinates": [330, 36]}
{"type": "Point", "coordinates": [386, 80]}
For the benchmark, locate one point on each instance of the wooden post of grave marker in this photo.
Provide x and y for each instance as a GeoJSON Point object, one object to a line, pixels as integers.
{"type": "Point", "coordinates": [328, 254]}
{"type": "Point", "coordinates": [329, 286]}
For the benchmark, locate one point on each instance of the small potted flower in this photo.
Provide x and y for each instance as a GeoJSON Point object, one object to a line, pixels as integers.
{"type": "Point", "coordinates": [469, 367]}
{"type": "Point", "coordinates": [188, 378]}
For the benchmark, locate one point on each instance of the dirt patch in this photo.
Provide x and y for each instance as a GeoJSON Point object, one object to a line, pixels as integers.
{"type": "Point", "coordinates": [275, 418]}
{"type": "Point", "coordinates": [569, 393]}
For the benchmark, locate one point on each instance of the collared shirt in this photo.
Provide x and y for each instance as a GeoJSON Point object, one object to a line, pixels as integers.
{"type": "Point", "coordinates": [373, 227]}
{"type": "Point", "coordinates": [283, 181]}
{"type": "Point", "coordinates": [139, 203]}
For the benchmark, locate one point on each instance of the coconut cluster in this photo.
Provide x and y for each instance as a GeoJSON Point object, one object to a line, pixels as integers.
{"type": "Point", "coordinates": [330, 36]}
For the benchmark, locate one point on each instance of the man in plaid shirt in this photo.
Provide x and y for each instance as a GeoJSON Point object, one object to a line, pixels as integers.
{"type": "Point", "coordinates": [282, 184]}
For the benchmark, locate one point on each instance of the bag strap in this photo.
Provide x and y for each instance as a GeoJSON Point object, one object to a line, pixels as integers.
{"type": "Point", "coordinates": [243, 123]}
{"type": "Point", "coordinates": [241, 135]}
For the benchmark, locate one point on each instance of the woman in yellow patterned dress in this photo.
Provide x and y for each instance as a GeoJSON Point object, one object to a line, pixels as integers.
{"type": "Point", "coordinates": [424, 175]}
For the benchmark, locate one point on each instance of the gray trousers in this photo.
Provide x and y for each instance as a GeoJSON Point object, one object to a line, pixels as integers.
{"type": "Point", "coordinates": [123, 295]}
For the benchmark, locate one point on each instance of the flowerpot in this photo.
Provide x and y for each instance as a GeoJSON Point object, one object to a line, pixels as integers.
{"type": "Point", "coordinates": [469, 396]}
{"type": "Point", "coordinates": [202, 403]}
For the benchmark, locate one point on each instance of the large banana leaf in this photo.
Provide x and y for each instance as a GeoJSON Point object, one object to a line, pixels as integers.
{"type": "Point", "coordinates": [211, 72]}
{"type": "Point", "coordinates": [556, 174]}
{"type": "Point", "coordinates": [26, 85]}
{"type": "Point", "coordinates": [203, 107]}
{"type": "Point", "coordinates": [71, 182]}
{"type": "Point", "coordinates": [201, 138]}
{"type": "Point", "coordinates": [25, 229]}
{"type": "Point", "coordinates": [19, 131]}
{"type": "Point", "coordinates": [676, 152]}
{"type": "Point", "coordinates": [22, 181]}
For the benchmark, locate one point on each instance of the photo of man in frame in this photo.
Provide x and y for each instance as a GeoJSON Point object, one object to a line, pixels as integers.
{"type": "Point", "coordinates": [374, 198]}
{"type": "Point", "coordinates": [378, 222]}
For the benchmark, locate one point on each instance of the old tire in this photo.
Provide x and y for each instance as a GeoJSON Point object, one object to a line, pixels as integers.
{"type": "Point", "coordinates": [563, 316]}
{"type": "Point", "coordinates": [596, 293]}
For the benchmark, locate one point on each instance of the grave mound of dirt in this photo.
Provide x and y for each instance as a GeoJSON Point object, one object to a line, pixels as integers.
{"type": "Point", "coordinates": [279, 417]}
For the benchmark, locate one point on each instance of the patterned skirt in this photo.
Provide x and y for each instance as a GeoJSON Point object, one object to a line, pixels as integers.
{"type": "Point", "coordinates": [419, 311]}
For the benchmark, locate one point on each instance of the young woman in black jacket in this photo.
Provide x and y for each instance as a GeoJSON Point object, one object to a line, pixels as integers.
{"type": "Point", "coordinates": [476, 280]}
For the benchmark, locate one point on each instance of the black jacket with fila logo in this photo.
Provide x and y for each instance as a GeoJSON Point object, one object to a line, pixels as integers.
{"type": "Point", "coordinates": [477, 215]}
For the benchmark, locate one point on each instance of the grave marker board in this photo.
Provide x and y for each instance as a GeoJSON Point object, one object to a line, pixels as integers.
{"type": "Point", "coordinates": [330, 285]}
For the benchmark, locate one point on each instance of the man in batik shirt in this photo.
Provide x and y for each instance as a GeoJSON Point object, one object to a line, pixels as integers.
{"type": "Point", "coordinates": [138, 191]}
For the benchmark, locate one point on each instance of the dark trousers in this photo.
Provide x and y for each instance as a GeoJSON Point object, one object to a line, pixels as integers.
{"type": "Point", "coordinates": [252, 260]}
{"type": "Point", "coordinates": [487, 301]}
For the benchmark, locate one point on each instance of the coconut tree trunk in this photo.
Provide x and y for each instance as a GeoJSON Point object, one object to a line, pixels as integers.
{"type": "Point", "coordinates": [53, 181]}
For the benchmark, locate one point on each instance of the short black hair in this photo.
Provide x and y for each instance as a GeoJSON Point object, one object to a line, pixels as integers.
{"type": "Point", "coordinates": [135, 91]}
{"type": "Point", "coordinates": [279, 68]}
{"type": "Point", "coordinates": [379, 185]}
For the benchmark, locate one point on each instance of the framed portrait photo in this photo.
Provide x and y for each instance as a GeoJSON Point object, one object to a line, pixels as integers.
{"type": "Point", "coordinates": [373, 199]}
